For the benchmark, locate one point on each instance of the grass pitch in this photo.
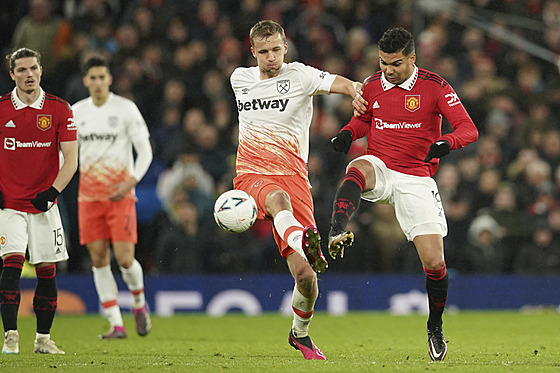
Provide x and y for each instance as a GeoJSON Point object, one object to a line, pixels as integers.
{"type": "Point", "coordinates": [357, 342]}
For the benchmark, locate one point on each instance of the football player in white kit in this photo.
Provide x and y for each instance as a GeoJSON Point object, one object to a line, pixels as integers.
{"type": "Point", "coordinates": [109, 126]}
{"type": "Point", "coordinates": [275, 106]}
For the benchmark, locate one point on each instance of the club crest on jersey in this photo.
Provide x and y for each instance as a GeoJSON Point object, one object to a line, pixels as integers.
{"type": "Point", "coordinates": [44, 122]}
{"type": "Point", "coordinates": [113, 121]}
{"type": "Point", "coordinates": [283, 86]}
{"type": "Point", "coordinates": [412, 102]}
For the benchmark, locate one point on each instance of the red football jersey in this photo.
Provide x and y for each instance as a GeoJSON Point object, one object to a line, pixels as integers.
{"type": "Point", "coordinates": [403, 121]}
{"type": "Point", "coordinates": [29, 156]}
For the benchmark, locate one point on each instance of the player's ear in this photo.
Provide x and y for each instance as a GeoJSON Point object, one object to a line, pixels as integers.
{"type": "Point", "coordinates": [253, 52]}
{"type": "Point", "coordinates": [285, 47]}
{"type": "Point", "coordinates": [413, 58]}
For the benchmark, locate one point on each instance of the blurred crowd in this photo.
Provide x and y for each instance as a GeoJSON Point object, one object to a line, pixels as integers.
{"type": "Point", "coordinates": [174, 59]}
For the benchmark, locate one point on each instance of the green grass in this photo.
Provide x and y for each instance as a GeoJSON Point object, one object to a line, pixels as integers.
{"type": "Point", "coordinates": [357, 342]}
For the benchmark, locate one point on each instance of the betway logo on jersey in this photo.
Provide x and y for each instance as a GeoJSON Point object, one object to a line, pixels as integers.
{"type": "Point", "coordinates": [12, 144]}
{"type": "Point", "coordinates": [258, 104]}
{"type": "Point", "coordinates": [112, 137]}
{"type": "Point", "coordinates": [381, 125]}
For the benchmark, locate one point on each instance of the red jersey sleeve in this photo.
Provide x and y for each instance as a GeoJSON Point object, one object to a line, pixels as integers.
{"type": "Point", "coordinates": [464, 129]}
{"type": "Point", "coordinates": [359, 127]}
{"type": "Point", "coordinates": [66, 127]}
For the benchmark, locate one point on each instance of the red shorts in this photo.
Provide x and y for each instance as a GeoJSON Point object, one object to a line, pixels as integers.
{"type": "Point", "coordinates": [114, 221]}
{"type": "Point", "coordinates": [258, 186]}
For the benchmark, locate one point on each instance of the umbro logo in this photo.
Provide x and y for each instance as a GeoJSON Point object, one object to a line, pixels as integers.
{"type": "Point", "coordinates": [10, 124]}
{"type": "Point", "coordinates": [245, 91]}
{"type": "Point", "coordinates": [375, 105]}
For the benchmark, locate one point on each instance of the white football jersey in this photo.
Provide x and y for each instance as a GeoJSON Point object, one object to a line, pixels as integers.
{"type": "Point", "coordinates": [274, 117]}
{"type": "Point", "coordinates": [105, 137]}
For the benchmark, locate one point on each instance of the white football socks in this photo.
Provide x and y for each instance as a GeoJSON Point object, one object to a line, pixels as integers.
{"type": "Point", "coordinates": [107, 291]}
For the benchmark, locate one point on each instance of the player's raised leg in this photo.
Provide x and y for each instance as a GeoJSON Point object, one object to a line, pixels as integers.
{"type": "Point", "coordinates": [305, 241]}
{"type": "Point", "coordinates": [345, 204]}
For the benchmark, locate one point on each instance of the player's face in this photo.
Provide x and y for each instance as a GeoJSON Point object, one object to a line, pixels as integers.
{"type": "Point", "coordinates": [269, 53]}
{"type": "Point", "coordinates": [27, 74]}
{"type": "Point", "coordinates": [396, 66]}
{"type": "Point", "coordinates": [97, 81]}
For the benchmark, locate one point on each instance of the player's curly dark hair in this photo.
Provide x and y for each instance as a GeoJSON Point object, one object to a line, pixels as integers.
{"type": "Point", "coordinates": [22, 53]}
{"type": "Point", "coordinates": [264, 29]}
{"type": "Point", "coordinates": [397, 40]}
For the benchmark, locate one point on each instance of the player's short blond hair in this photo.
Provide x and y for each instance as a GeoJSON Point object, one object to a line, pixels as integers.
{"type": "Point", "coordinates": [264, 29]}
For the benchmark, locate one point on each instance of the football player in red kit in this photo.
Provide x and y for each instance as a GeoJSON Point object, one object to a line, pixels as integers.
{"type": "Point", "coordinates": [403, 129]}
{"type": "Point", "coordinates": [36, 129]}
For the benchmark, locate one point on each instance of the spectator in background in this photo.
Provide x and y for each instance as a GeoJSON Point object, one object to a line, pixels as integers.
{"type": "Point", "coordinates": [212, 155]}
{"type": "Point", "coordinates": [47, 33]}
{"type": "Point", "coordinates": [484, 252]}
{"type": "Point", "coordinates": [513, 221]}
{"type": "Point", "coordinates": [89, 12]}
{"type": "Point", "coordinates": [541, 255]}
{"type": "Point", "coordinates": [183, 244]}
{"type": "Point", "coordinates": [166, 129]}
{"type": "Point", "coordinates": [537, 177]}
{"type": "Point", "coordinates": [386, 233]}
{"type": "Point", "coordinates": [191, 175]}
{"type": "Point", "coordinates": [193, 119]}
{"type": "Point", "coordinates": [101, 37]}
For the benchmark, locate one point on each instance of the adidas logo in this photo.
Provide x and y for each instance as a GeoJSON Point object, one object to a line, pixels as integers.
{"type": "Point", "coordinates": [58, 250]}
{"type": "Point", "coordinates": [375, 105]}
{"type": "Point", "coordinates": [10, 124]}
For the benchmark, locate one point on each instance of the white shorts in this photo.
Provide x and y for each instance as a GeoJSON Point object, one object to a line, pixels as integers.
{"type": "Point", "coordinates": [42, 234]}
{"type": "Point", "coordinates": [416, 199]}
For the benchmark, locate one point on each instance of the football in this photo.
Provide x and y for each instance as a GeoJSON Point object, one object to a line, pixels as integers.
{"type": "Point", "coordinates": [235, 211]}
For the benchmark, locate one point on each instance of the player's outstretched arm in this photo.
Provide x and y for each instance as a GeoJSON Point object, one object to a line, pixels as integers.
{"type": "Point", "coordinates": [346, 86]}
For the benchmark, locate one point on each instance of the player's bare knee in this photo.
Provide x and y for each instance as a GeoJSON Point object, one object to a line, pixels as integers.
{"type": "Point", "coordinates": [367, 170]}
{"type": "Point", "coordinates": [278, 200]}
{"type": "Point", "coordinates": [435, 263]}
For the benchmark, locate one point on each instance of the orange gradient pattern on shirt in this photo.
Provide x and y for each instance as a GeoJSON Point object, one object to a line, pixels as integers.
{"type": "Point", "coordinates": [267, 153]}
{"type": "Point", "coordinates": [97, 182]}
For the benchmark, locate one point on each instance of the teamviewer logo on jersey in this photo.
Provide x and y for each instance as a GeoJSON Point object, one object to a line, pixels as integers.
{"type": "Point", "coordinates": [283, 86]}
{"type": "Point", "coordinates": [9, 143]}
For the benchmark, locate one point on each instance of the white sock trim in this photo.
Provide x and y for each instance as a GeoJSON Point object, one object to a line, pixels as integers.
{"type": "Point", "coordinates": [282, 222]}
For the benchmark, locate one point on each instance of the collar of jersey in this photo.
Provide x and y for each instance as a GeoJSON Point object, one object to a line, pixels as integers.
{"type": "Point", "coordinates": [18, 104]}
{"type": "Point", "coordinates": [407, 84]}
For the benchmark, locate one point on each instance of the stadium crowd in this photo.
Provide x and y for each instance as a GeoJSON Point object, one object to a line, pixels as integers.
{"type": "Point", "coordinates": [174, 58]}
